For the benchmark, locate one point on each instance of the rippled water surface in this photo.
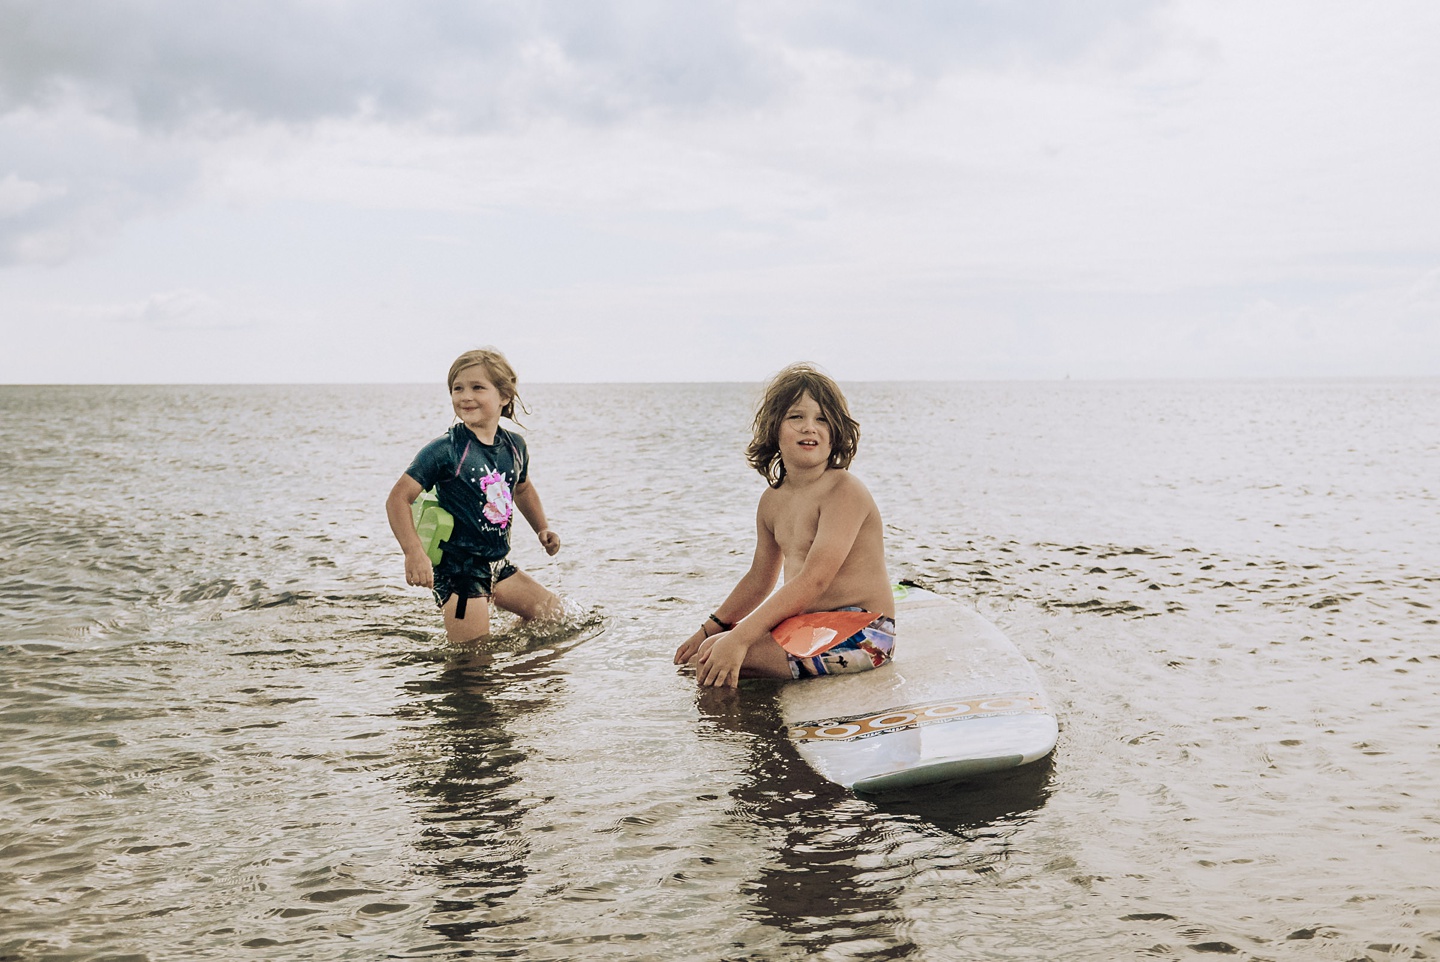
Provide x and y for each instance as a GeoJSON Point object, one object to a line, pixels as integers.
{"type": "Point", "coordinates": [231, 732]}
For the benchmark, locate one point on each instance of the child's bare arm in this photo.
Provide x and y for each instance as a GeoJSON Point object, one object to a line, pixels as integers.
{"type": "Point", "coordinates": [840, 519]}
{"type": "Point", "coordinates": [527, 499]}
{"type": "Point", "coordinates": [757, 582]}
{"type": "Point", "coordinates": [749, 592]}
{"type": "Point", "coordinates": [402, 525]}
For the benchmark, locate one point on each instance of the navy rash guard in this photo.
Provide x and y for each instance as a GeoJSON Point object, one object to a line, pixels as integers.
{"type": "Point", "coordinates": [475, 482]}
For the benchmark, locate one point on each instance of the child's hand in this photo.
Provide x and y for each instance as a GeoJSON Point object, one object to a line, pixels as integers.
{"type": "Point", "coordinates": [721, 660]}
{"type": "Point", "coordinates": [686, 653]}
{"type": "Point", "coordinates": [418, 570]}
{"type": "Point", "coordinates": [549, 540]}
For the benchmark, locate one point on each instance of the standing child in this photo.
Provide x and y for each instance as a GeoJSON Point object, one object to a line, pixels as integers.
{"type": "Point", "coordinates": [816, 522]}
{"type": "Point", "coordinates": [480, 473]}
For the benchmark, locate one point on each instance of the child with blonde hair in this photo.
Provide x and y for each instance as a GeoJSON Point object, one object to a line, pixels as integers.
{"type": "Point", "coordinates": [481, 475]}
{"type": "Point", "coordinates": [818, 524]}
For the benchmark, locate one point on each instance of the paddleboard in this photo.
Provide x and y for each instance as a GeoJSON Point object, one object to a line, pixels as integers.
{"type": "Point", "coordinates": [958, 700]}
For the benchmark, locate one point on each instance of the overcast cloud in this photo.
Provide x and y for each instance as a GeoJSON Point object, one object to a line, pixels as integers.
{"type": "Point", "coordinates": [356, 191]}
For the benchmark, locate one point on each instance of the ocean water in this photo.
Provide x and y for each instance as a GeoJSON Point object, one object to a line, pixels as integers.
{"type": "Point", "coordinates": [228, 730]}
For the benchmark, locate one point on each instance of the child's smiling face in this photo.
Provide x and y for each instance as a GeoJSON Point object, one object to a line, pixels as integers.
{"type": "Point", "coordinates": [476, 399]}
{"type": "Point", "coordinates": [804, 434]}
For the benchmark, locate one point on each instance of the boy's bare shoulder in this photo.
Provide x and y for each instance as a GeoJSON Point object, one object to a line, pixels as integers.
{"type": "Point", "coordinates": [848, 486]}
{"type": "Point", "coordinates": [839, 490]}
{"type": "Point", "coordinates": [768, 499]}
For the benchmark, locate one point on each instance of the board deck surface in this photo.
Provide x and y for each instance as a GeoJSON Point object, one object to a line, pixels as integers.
{"type": "Point", "coordinates": [958, 700]}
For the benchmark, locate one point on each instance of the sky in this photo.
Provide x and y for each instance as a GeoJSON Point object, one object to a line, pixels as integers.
{"type": "Point", "coordinates": [355, 191]}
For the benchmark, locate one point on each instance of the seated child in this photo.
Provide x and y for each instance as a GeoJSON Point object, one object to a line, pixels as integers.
{"type": "Point", "coordinates": [818, 523]}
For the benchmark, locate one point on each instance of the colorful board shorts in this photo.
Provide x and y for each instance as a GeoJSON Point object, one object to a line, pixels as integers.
{"type": "Point", "coordinates": [468, 577]}
{"type": "Point", "coordinates": [809, 643]}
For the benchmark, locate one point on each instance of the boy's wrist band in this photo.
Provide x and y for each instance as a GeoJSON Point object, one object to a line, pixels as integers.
{"type": "Point", "coordinates": [723, 625]}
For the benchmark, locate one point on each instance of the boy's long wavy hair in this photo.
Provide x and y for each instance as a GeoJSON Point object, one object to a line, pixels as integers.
{"type": "Point", "coordinates": [781, 393]}
{"type": "Point", "coordinates": [500, 373]}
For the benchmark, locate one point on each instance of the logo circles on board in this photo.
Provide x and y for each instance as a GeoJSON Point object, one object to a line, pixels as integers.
{"type": "Point", "coordinates": [844, 729]}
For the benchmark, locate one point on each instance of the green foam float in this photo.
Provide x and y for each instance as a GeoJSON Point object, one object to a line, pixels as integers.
{"type": "Point", "coordinates": [432, 523]}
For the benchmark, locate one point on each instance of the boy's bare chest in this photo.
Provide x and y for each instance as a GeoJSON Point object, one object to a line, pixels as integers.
{"type": "Point", "coordinates": [795, 521]}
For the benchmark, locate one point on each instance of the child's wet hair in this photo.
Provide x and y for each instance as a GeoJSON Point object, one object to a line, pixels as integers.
{"type": "Point", "coordinates": [784, 389]}
{"type": "Point", "coordinates": [497, 370]}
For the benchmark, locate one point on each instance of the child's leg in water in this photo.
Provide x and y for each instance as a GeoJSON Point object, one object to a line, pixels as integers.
{"type": "Point", "coordinates": [523, 595]}
{"type": "Point", "coordinates": [476, 623]}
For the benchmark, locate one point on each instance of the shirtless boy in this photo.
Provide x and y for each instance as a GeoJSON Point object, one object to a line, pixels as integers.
{"type": "Point", "coordinates": [819, 525]}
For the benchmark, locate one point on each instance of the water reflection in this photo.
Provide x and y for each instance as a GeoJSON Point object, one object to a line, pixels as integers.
{"type": "Point", "coordinates": [473, 840]}
{"type": "Point", "coordinates": [841, 861]}
{"type": "Point", "coordinates": [1005, 799]}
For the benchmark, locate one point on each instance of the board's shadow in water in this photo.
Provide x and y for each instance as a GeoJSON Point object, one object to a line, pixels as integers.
{"type": "Point", "coordinates": [466, 767]}
{"type": "Point", "coordinates": [837, 867]}
{"type": "Point", "coordinates": [978, 803]}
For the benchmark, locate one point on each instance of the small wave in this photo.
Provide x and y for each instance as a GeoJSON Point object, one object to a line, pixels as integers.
{"type": "Point", "coordinates": [1142, 581]}
{"type": "Point", "coordinates": [206, 591]}
{"type": "Point", "coordinates": [278, 600]}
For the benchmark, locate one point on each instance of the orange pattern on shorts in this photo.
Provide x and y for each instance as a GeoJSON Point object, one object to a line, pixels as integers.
{"type": "Point", "coordinates": [807, 635]}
